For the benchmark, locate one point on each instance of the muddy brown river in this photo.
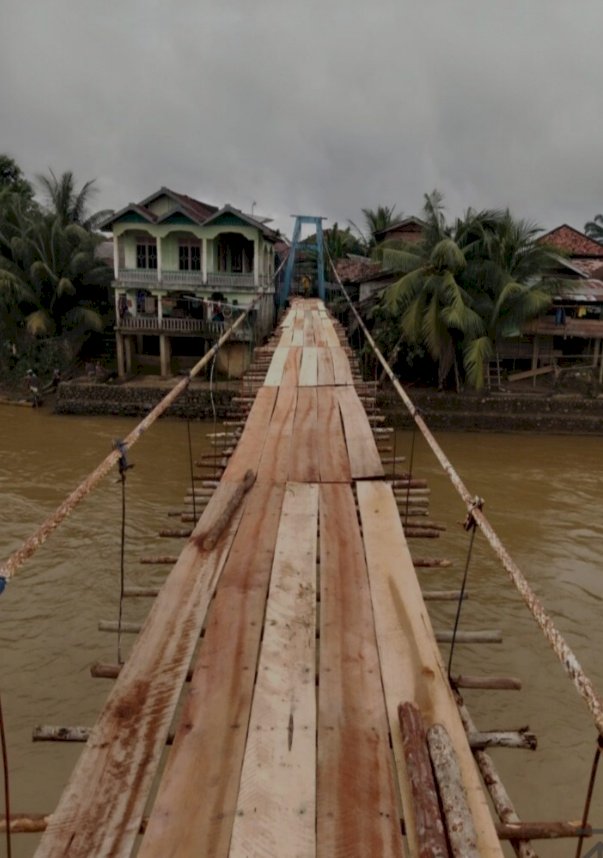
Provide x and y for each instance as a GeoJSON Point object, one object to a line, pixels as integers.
{"type": "Point", "coordinates": [543, 494]}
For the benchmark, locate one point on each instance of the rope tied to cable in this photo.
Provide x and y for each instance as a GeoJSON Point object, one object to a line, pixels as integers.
{"type": "Point", "coordinates": [470, 523]}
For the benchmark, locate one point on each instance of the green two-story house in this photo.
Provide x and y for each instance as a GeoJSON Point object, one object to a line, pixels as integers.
{"type": "Point", "coordinates": [183, 270]}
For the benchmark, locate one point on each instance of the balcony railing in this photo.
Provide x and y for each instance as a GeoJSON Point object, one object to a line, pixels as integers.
{"type": "Point", "coordinates": [149, 278]}
{"type": "Point", "coordinates": [175, 326]}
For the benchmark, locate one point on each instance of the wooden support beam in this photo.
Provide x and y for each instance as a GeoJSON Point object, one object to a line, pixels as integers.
{"type": "Point", "coordinates": [521, 739]}
{"type": "Point", "coordinates": [500, 683]}
{"type": "Point", "coordinates": [457, 813]}
{"type": "Point", "coordinates": [490, 636]}
{"type": "Point", "coordinates": [431, 563]}
{"type": "Point", "coordinates": [444, 595]}
{"type": "Point", "coordinates": [430, 832]}
{"type": "Point", "coordinates": [158, 560]}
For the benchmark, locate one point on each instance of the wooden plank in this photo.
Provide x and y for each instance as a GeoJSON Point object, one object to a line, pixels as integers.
{"type": "Point", "coordinates": [357, 808]}
{"type": "Point", "coordinates": [286, 337]}
{"type": "Point", "coordinates": [248, 451]}
{"type": "Point", "coordinates": [326, 373]}
{"type": "Point", "coordinates": [304, 466]}
{"type": "Point", "coordinates": [319, 333]}
{"type": "Point", "coordinates": [365, 461]}
{"type": "Point", "coordinates": [274, 464]}
{"type": "Point", "coordinates": [341, 366]}
{"type": "Point", "coordinates": [101, 807]}
{"type": "Point", "coordinates": [531, 373]}
{"type": "Point", "coordinates": [297, 337]}
{"type": "Point", "coordinates": [308, 329]}
{"type": "Point", "coordinates": [278, 783]}
{"type": "Point", "coordinates": [411, 666]}
{"type": "Point", "coordinates": [332, 450]}
{"type": "Point", "coordinates": [330, 336]}
{"type": "Point", "coordinates": [308, 374]}
{"type": "Point", "coordinates": [196, 802]}
{"type": "Point", "coordinates": [291, 370]}
{"type": "Point", "coordinates": [277, 365]}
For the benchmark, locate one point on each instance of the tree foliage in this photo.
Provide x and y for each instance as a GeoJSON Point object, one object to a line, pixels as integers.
{"type": "Point", "coordinates": [52, 285]}
{"type": "Point", "coordinates": [466, 284]}
{"type": "Point", "coordinates": [594, 228]}
{"type": "Point", "coordinates": [69, 204]}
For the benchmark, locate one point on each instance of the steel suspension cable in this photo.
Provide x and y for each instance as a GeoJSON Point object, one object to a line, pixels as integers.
{"type": "Point", "coordinates": [564, 653]}
{"type": "Point", "coordinates": [39, 537]}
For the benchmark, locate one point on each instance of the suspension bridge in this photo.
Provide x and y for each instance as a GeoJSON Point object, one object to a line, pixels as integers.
{"type": "Point", "coordinates": [286, 695]}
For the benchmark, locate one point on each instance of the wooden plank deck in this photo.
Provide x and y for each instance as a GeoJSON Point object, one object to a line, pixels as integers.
{"type": "Point", "coordinates": [287, 744]}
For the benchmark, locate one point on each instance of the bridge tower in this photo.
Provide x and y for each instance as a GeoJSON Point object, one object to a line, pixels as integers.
{"type": "Point", "coordinates": [317, 245]}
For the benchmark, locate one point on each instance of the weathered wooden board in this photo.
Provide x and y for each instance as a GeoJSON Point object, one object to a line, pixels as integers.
{"type": "Point", "coordinates": [274, 464]}
{"type": "Point", "coordinates": [277, 365]}
{"type": "Point", "coordinates": [276, 809]}
{"type": "Point", "coordinates": [308, 329]}
{"type": "Point", "coordinates": [326, 373]}
{"type": "Point", "coordinates": [411, 666]}
{"type": "Point", "coordinates": [308, 374]}
{"type": "Point", "coordinates": [341, 366]}
{"type": "Point", "coordinates": [102, 805]}
{"type": "Point", "coordinates": [304, 466]}
{"type": "Point", "coordinates": [248, 451]}
{"type": "Point", "coordinates": [195, 806]}
{"type": "Point", "coordinates": [297, 338]}
{"type": "Point", "coordinates": [291, 371]}
{"type": "Point", "coordinates": [332, 451]}
{"type": "Point", "coordinates": [357, 807]}
{"type": "Point", "coordinates": [286, 337]}
{"type": "Point", "coordinates": [330, 336]}
{"type": "Point", "coordinates": [319, 333]}
{"type": "Point", "coordinates": [365, 462]}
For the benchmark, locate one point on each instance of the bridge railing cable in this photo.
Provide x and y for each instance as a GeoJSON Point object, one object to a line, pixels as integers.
{"type": "Point", "coordinates": [555, 639]}
{"type": "Point", "coordinates": [39, 537]}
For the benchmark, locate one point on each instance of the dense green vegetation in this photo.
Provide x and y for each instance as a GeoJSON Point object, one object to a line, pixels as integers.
{"type": "Point", "coordinates": [53, 288]}
{"type": "Point", "coordinates": [466, 284]}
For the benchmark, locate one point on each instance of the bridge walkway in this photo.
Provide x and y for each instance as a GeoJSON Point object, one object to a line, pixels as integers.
{"type": "Point", "coordinates": [296, 610]}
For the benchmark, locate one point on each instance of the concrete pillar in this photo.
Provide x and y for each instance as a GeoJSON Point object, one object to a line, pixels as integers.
{"type": "Point", "coordinates": [204, 260]}
{"type": "Point", "coordinates": [159, 259]}
{"type": "Point", "coordinates": [165, 356]}
{"type": "Point", "coordinates": [128, 343]}
{"type": "Point", "coordinates": [159, 298]}
{"type": "Point", "coordinates": [121, 367]}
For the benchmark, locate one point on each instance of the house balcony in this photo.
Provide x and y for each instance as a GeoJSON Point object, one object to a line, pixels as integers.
{"type": "Point", "coordinates": [183, 327]}
{"type": "Point", "coordinates": [142, 278]}
{"type": "Point", "coordinates": [571, 327]}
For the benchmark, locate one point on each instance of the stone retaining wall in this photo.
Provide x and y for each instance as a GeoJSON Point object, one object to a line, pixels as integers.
{"type": "Point", "coordinates": [135, 401]}
{"type": "Point", "coordinates": [456, 412]}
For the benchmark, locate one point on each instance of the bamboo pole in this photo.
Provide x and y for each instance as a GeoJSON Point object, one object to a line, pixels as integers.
{"type": "Point", "coordinates": [501, 683]}
{"type": "Point", "coordinates": [564, 653]}
{"type": "Point", "coordinates": [39, 537]}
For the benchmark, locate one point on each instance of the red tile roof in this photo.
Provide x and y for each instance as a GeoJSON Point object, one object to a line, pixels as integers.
{"type": "Point", "coordinates": [356, 270]}
{"type": "Point", "coordinates": [572, 241]}
{"type": "Point", "coordinates": [201, 210]}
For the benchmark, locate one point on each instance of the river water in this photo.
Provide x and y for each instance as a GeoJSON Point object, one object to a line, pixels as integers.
{"type": "Point", "coordinates": [543, 494]}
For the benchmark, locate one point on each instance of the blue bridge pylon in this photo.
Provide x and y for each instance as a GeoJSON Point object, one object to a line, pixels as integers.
{"type": "Point", "coordinates": [317, 245]}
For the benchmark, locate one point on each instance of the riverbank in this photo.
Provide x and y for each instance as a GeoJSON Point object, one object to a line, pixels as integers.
{"type": "Point", "coordinates": [493, 412]}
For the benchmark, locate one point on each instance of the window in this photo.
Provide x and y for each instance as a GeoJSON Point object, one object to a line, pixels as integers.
{"type": "Point", "coordinates": [146, 254]}
{"type": "Point", "coordinates": [189, 256]}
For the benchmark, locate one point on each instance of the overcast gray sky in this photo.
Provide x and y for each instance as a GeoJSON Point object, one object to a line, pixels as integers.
{"type": "Point", "coordinates": [316, 106]}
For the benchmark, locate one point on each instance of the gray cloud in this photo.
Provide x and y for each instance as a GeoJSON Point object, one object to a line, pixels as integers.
{"type": "Point", "coordinates": [312, 107]}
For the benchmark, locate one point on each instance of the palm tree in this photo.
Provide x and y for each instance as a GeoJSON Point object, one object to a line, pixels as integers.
{"type": "Point", "coordinates": [429, 301]}
{"type": "Point", "coordinates": [375, 220]}
{"type": "Point", "coordinates": [466, 285]}
{"type": "Point", "coordinates": [67, 203]}
{"type": "Point", "coordinates": [594, 228]}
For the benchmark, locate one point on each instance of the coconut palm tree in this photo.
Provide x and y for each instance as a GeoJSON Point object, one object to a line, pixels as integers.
{"type": "Point", "coordinates": [69, 204]}
{"type": "Point", "coordinates": [429, 301]}
{"type": "Point", "coordinates": [467, 284]}
{"type": "Point", "coordinates": [594, 228]}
